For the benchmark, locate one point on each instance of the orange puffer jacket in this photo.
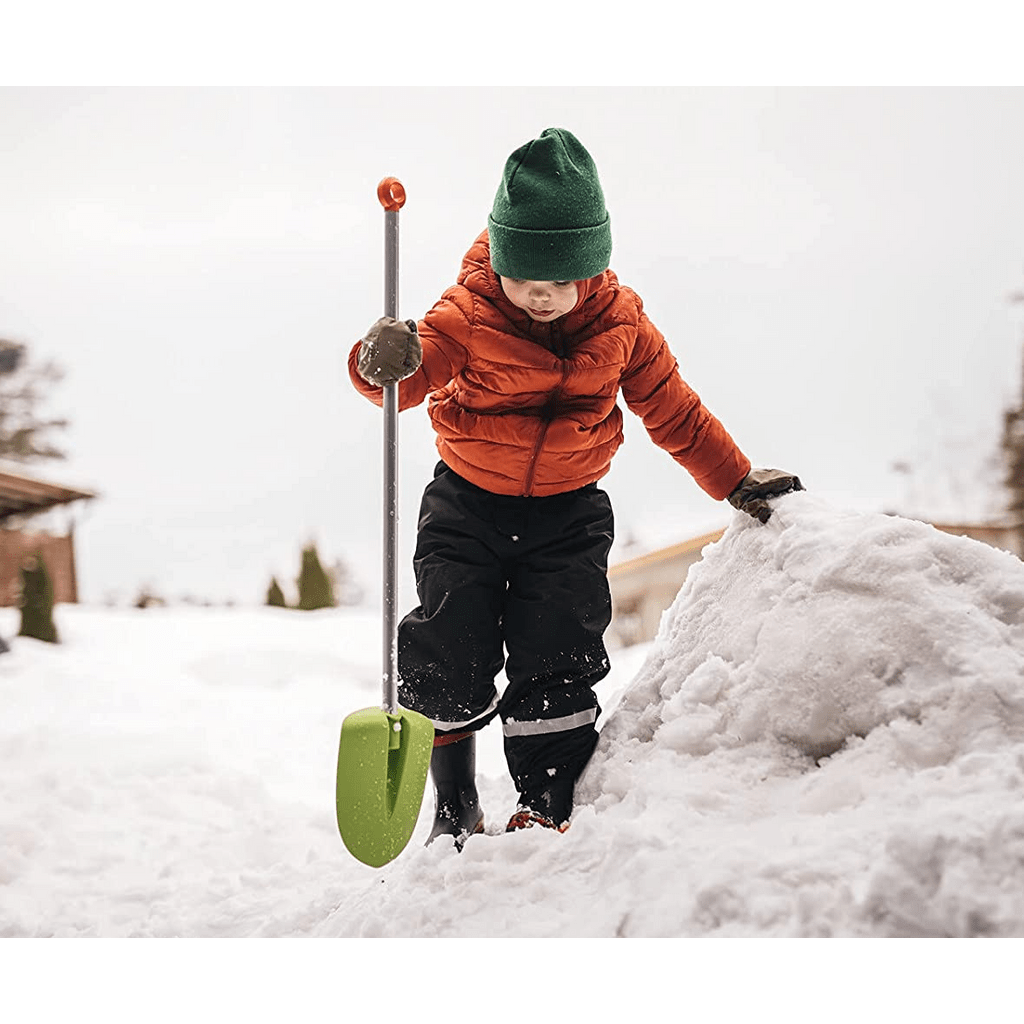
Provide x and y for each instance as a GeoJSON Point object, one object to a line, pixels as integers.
{"type": "Point", "coordinates": [529, 408]}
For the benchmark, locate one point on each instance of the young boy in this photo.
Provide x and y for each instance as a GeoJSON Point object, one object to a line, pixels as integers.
{"type": "Point", "coordinates": [522, 361]}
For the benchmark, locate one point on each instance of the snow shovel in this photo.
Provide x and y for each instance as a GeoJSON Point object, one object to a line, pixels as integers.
{"type": "Point", "coordinates": [384, 753]}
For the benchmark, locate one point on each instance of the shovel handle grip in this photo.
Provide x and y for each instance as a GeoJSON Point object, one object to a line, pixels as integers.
{"type": "Point", "coordinates": [391, 193]}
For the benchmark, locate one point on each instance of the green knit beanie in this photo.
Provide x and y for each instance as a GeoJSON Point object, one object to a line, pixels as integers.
{"type": "Point", "coordinates": [549, 222]}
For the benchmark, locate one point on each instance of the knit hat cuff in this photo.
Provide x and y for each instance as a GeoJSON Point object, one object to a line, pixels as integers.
{"type": "Point", "coordinates": [563, 254]}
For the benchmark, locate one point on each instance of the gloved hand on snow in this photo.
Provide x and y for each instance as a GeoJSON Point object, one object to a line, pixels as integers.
{"type": "Point", "coordinates": [758, 486]}
{"type": "Point", "coordinates": [390, 352]}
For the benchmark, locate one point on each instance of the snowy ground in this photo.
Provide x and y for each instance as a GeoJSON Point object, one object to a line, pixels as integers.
{"type": "Point", "coordinates": [825, 740]}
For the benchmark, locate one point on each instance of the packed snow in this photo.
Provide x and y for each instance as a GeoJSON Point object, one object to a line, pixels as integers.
{"type": "Point", "coordinates": [826, 738]}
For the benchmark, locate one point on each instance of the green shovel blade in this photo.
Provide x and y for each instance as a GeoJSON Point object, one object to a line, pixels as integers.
{"type": "Point", "coordinates": [382, 772]}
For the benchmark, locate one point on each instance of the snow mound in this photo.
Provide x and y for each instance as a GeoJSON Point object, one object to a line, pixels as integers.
{"type": "Point", "coordinates": [824, 626]}
{"type": "Point", "coordinates": [826, 738]}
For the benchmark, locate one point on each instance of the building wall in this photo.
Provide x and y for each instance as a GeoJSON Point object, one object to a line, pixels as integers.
{"type": "Point", "coordinates": [57, 552]}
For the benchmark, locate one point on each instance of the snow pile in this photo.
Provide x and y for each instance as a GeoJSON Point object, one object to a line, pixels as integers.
{"type": "Point", "coordinates": [846, 692]}
{"type": "Point", "coordinates": [820, 628]}
{"type": "Point", "coordinates": [825, 739]}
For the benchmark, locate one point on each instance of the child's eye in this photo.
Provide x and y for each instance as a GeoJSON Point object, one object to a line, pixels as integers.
{"type": "Point", "coordinates": [562, 284]}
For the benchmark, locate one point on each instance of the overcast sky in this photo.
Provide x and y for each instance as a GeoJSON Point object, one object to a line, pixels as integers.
{"type": "Point", "coordinates": [832, 269]}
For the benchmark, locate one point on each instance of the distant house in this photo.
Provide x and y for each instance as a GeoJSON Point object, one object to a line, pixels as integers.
{"type": "Point", "coordinates": [645, 586]}
{"type": "Point", "coordinates": [22, 498]}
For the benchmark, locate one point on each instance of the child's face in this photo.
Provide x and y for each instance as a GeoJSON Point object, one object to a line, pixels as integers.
{"type": "Point", "coordinates": [542, 300]}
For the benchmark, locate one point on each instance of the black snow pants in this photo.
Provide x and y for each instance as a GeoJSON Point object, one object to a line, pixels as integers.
{"type": "Point", "coordinates": [528, 575]}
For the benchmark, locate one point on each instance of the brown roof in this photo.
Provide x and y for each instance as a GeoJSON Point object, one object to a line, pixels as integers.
{"type": "Point", "coordinates": [24, 495]}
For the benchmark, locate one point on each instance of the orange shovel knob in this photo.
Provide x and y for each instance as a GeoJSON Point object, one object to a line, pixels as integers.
{"type": "Point", "coordinates": [391, 193]}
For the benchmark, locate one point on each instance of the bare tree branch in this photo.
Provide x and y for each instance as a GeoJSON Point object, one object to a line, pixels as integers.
{"type": "Point", "coordinates": [25, 434]}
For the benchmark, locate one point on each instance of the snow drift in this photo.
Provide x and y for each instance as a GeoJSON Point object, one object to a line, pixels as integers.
{"type": "Point", "coordinates": [821, 628]}
{"type": "Point", "coordinates": [825, 739]}
{"type": "Point", "coordinates": [845, 694]}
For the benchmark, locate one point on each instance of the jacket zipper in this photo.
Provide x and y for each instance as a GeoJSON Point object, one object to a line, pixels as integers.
{"type": "Point", "coordinates": [548, 416]}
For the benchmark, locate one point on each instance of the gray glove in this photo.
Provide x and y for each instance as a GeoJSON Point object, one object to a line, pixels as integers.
{"type": "Point", "coordinates": [390, 352]}
{"type": "Point", "coordinates": [758, 486]}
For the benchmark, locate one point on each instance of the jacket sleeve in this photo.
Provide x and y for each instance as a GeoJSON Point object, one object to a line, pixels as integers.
{"type": "Point", "coordinates": [443, 355]}
{"type": "Point", "coordinates": [675, 417]}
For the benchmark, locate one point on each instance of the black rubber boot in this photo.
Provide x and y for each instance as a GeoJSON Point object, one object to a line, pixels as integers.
{"type": "Point", "coordinates": [457, 806]}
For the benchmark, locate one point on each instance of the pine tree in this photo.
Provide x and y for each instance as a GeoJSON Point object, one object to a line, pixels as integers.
{"type": "Point", "coordinates": [1013, 454]}
{"type": "Point", "coordinates": [315, 590]}
{"type": "Point", "coordinates": [37, 602]}
{"type": "Point", "coordinates": [275, 595]}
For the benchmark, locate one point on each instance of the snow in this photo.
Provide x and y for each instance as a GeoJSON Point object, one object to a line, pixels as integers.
{"type": "Point", "coordinates": [826, 739]}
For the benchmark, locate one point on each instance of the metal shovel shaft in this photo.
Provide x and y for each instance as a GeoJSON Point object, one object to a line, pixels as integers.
{"type": "Point", "coordinates": [390, 567]}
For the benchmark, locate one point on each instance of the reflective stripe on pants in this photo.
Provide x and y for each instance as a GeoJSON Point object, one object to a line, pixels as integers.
{"type": "Point", "coordinates": [547, 725]}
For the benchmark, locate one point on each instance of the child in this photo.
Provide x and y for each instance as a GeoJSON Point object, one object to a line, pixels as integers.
{"type": "Point", "coordinates": [522, 361]}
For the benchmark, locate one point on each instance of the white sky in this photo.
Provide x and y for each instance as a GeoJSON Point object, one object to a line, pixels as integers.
{"type": "Point", "coordinates": [832, 269]}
